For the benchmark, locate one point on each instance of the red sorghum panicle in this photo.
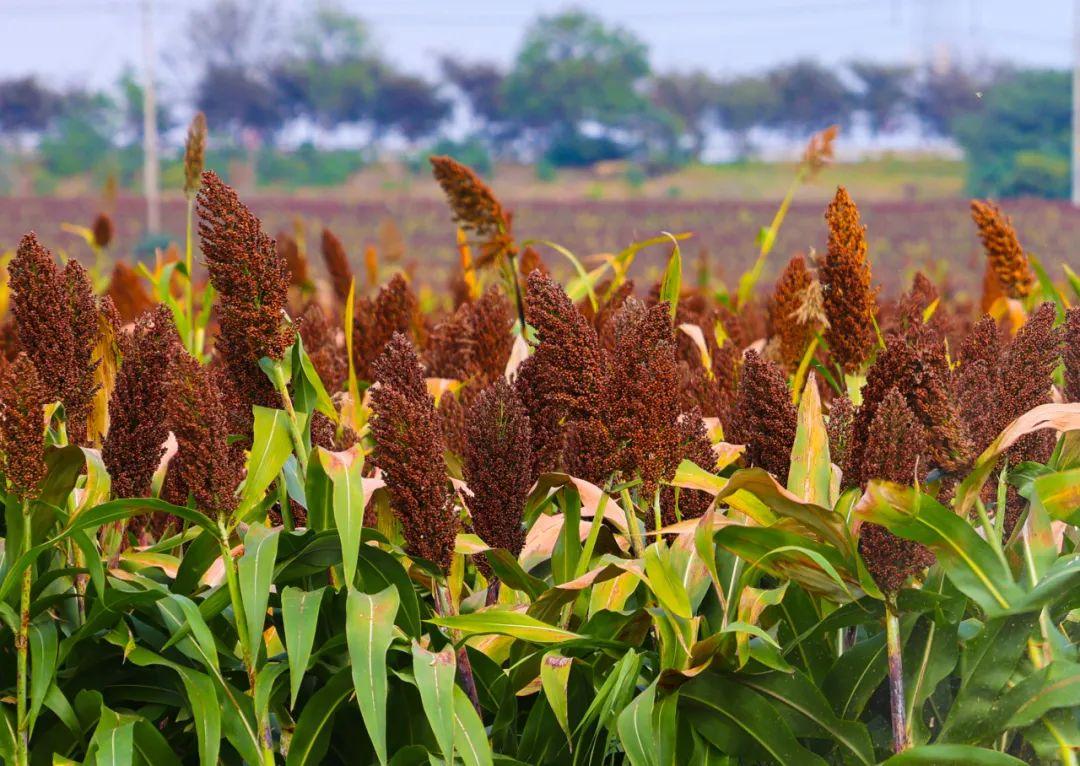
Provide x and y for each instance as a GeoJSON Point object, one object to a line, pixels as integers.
{"type": "Point", "coordinates": [252, 283]}
{"type": "Point", "coordinates": [394, 310]}
{"type": "Point", "coordinates": [497, 466]}
{"type": "Point", "coordinates": [764, 418]}
{"type": "Point", "coordinates": [409, 451]}
{"type": "Point", "coordinates": [476, 209]}
{"type": "Point", "coordinates": [1070, 352]}
{"type": "Point", "coordinates": [194, 155]}
{"type": "Point", "coordinates": [565, 377]}
{"type": "Point", "coordinates": [138, 424]}
{"type": "Point", "coordinates": [850, 301]}
{"type": "Point", "coordinates": [337, 265]}
{"type": "Point", "coordinates": [127, 292]}
{"type": "Point", "coordinates": [785, 325]}
{"type": "Point", "coordinates": [839, 427]}
{"type": "Point", "coordinates": [56, 317]}
{"type": "Point", "coordinates": [893, 453]}
{"type": "Point", "coordinates": [1003, 251]}
{"type": "Point", "coordinates": [205, 464]}
{"type": "Point", "coordinates": [320, 342]}
{"type": "Point", "coordinates": [102, 229]}
{"type": "Point", "coordinates": [295, 260]}
{"type": "Point", "coordinates": [22, 427]}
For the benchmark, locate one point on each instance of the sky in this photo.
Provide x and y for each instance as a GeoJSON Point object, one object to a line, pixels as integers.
{"type": "Point", "coordinates": [89, 42]}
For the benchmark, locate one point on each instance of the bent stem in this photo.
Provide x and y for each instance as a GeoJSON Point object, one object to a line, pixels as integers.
{"type": "Point", "coordinates": [22, 644]}
{"type": "Point", "coordinates": [901, 731]}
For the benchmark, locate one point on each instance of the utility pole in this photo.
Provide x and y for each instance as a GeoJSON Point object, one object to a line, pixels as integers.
{"type": "Point", "coordinates": [1076, 106]}
{"type": "Point", "coordinates": [150, 135]}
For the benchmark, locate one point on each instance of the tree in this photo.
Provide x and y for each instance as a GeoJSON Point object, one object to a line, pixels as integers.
{"type": "Point", "coordinates": [481, 84]}
{"type": "Point", "coordinates": [808, 98]}
{"type": "Point", "coordinates": [408, 104]}
{"type": "Point", "coordinates": [26, 106]}
{"type": "Point", "coordinates": [1019, 142]}
{"type": "Point", "coordinates": [690, 98]}
{"type": "Point", "coordinates": [234, 97]}
{"type": "Point", "coordinates": [943, 95]}
{"type": "Point", "coordinates": [573, 69]}
{"type": "Point", "coordinates": [742, 104]}
{"type": "Point", "coordinates": [885, 93]}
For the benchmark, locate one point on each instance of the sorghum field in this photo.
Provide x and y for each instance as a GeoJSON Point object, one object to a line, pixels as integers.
{"type": "Point", "coordinates": [264, 503]}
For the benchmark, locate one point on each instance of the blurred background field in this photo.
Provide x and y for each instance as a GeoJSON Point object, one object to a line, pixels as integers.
{"type": "Point", "coordinates": [599, 124]}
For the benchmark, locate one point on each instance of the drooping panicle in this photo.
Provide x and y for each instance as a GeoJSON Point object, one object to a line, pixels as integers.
{"type": "Point", "coordinates": [839, 427]}
{"type": "Point", "coordinates": [764, 417]}
{"type": "Point", "coordinates": [205, 465]}
{"type": "Point", "coordinates": [1027, 378]}
{"type": "Point", "coordinates": [252, 282]}
{"type": "Point", "coordinates": [1070, 352]}
{"type": "Point", "coordinates": [977, 382]}
{"type": "Point", "coordinates": [850, 301]}
{"type": "Point", "coordinates": [138, 425]}
{"type": "Point", "coordinates": [409, 451]}
{"type": "Point", "coordinates": [564, 378]}
{"type": "Point", "coordinates": [1003, 251]}
{"type": "Point", "coordinates": [792, 333]}
{"type": "Point", "coordinates": [476, 209]}
{"type": "Point", "coordinates": [194, 155]}
{"type": "Point", "coordinates": [23, 398]}
{"type": "Point", "coordinates": [337, 265]}
{"type": "Point", "coordinates": [498, 466]}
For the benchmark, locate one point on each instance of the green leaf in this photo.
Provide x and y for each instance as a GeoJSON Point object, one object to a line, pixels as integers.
{"type": "Point", "coordinates": [952, 755]}
{"type": "Point", "coordinates": [369, 631]}
{"type": "Point", "coordinates": [1055, 686]}
{"type": "Point", "coordinates": [271, 446]}
{"type": "Point", "coordinates": [434, 674]}
{"type": "Point", "coordinates": [256, 572]}
{"type": "Point", "coordinates": [309, 740]}
{"type": "Point", "coordinates": [636, 728]}
{"type": "Point", "coordinates": [113, 743]}
{"type": "Point", "coordinates": [204, 646]}
{"type": "Point", "coordinates": [344, 470]}
{"type": "Point", "coordinates": [554, 677]}
{"type": "Point", "coordinates": [43, 652]}
{"type": "Point", "coordinates": [666, 585]}
{"type": "Point", "coordinates": [797, 694]}
{"type": "Point", "coordinates": [470, 741]}
{"type": "Point", "coordinates": [968, 560]}
{"type": "Point", "coordinates": [810, 476]}
{"type": "Point", "coordinates": [305, 377]}
{"type": "Point", "coordinates": [1059, 493]}
{"type": "Point", "coordinates": [671, 284]}
{"type": "Point", "coordinates": [986, 665]}
{"type": "Point", "coordinates": [741, 722]}
{"type": "Point", "coordinates": [502, 622]}
{"type": "Point", "coordinates": [264, 686]}
{"type": "Point", "coordinates": [300, 615]}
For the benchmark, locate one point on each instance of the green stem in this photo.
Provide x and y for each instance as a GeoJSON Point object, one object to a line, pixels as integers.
{"type": "Point", "coordinates": [294, 422]}
{"type": "Point", "coordinates": [900, 728]}
{"type": "Point", "coordinates": [22, 645]}
{"type": "Point", "coordinates": [632, 527]}
{"type": "Point", "coordinates": [246, 650]}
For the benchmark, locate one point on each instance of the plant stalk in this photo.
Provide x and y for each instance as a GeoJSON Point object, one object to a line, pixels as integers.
{"type": "Point", "coordinates": [464, 666]}
{"type": "Point", "coordinates": [189, 289]}
{"type": "Point", "coordinates": [22, 646]}
{"type": "Point", "coordinates": [294, 421]}
{"type": "Point", "coordinates": [232, 578]}
{"type": "Point", "coordinates": [900, 728]}
{"type": "Point", "coordinates": [518, 299]}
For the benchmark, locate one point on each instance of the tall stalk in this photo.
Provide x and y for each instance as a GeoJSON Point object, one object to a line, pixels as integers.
{"type": "Point", "coordinates": [22, 646]}
{"type": "Point", "coordinates": [444, 607]}
{"type": "Point", "coordinates": [189, 288]}
{"type": "Point", "coordinates": [294, 422]}
{"type": "Point", "coordinates": [247, 652]}
{"type": "Point", "coordinates": [901, 730]}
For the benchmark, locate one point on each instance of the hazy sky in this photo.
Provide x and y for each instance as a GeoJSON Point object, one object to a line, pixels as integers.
{"type": "Point", "coordinates": [89, 41]}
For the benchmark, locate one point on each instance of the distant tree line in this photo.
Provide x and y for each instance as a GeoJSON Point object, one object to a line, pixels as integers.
{"type": "Point", "coordinates": [579, 90]}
